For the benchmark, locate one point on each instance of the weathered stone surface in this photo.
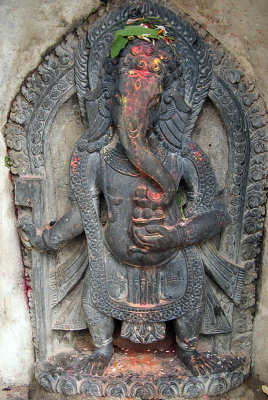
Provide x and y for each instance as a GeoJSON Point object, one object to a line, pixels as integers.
{"type": "Point", "coordinates": [260, 341]}
{"type": "Point", "coordinates": [241, 26]}
{"type": "Point", "coordinates": [250, 390]}
{"type": "Point", "coordinates": [14, 393]}
{"type": "Point", "coordinates": [210, 134]}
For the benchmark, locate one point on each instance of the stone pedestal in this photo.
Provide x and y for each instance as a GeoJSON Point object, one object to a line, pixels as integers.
{"type": "Point", "coordinates": [139, 371]}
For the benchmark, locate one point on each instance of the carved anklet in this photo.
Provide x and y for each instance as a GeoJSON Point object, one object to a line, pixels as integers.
{"type": "Point", "coordinates": [190, 346]}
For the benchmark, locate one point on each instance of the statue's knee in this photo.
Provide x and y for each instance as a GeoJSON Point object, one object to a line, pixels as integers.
{"type": "Point", "coordinates": [93, 316]}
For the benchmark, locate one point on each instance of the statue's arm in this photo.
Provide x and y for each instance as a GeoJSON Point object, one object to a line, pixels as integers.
{"type": "Point", "coordinates": [51, 237]}
{"type": "Point", "coordinates": [71, 224]}
{"type": "Point", "coordinates": [195, 229]}
{"type": "Point", "coordinates": [204, 224]}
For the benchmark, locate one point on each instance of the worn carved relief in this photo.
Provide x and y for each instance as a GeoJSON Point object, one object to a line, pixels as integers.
{"type": "Point", "coordinates": [139, 230]}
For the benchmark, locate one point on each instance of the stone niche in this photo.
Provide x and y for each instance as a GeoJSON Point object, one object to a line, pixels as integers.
{"type": "Point", "coordinates": [47, 118]}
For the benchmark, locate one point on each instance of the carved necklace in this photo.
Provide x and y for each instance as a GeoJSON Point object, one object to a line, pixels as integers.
{"type": "Point", "coordinates": [120, 162]}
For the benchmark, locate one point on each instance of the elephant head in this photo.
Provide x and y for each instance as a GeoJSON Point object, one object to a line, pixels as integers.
{"type": "Point", "coordinates": [135, 108]}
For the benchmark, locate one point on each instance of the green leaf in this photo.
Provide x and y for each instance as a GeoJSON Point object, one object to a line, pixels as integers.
{"type": "Point", "coordinates": [118, 44]}
{"type": "Point", "coordinates": [179, 201]}
{"type": "Point", "coordinates": [134, 30]}
{"type": "Point", "coordinates": [122, 36]}
{"type": "Point", "coordinates": [7, 161]}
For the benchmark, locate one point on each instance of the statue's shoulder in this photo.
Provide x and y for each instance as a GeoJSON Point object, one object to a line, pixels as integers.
{"type": "Point", "coordinates": [85, 163]}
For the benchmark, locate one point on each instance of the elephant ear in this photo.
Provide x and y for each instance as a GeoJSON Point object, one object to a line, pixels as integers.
{"type": "Point", "coordinates": [174, 114]}
{"type": "Point", "coordinates": [94, 85]}
{"type": "Point", "coordinates": [183, 101]}
{"type": "Point", "coordinates": [94, 101]}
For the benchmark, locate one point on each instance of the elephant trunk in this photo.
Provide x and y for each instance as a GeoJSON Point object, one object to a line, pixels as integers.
{"type": "Point", "coordinates": [137, 109]}
{"type": "Point", "coordinates": [149, 165]}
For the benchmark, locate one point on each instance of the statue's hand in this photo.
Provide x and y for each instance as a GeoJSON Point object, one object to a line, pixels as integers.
{"type": "Point", "coordinates": [30, 236]}
{"type": "Point", "coordinates": [157, 237]}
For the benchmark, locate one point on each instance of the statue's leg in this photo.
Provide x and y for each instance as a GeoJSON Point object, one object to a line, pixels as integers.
{"type": "Point", "coordinates": [101, 328]}
{"type": "Point", "coordinates": [187, 330]}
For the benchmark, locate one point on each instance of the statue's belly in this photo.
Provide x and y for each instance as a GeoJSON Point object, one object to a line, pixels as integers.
{"type": "Point", "coordinates": [127, 197]}
{"type": "Point", "coordinates": [119, 242]}
{"type": "Point", "coordinates": [150, 260]}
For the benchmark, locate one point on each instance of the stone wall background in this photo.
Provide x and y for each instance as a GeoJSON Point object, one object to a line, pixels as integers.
{"type": "Point", "coordinates": [27, 29]}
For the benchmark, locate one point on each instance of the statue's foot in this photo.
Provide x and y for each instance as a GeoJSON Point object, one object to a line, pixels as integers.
{"type": "Point", "coordinates": [197, 363]}
{"type": "Point", "coordinates": [99, 361]}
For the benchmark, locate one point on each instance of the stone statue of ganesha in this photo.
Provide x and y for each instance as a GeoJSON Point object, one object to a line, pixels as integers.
{"type": "Point", "coordinates": [146, 197]}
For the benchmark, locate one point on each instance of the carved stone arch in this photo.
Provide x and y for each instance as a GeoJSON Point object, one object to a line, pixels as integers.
{"type": "Point", "coordinates": [28, 133]}
{"type": "Point", "coordinates": [242, 112]}
{"type": "Point", "coordinates": [237, 129]}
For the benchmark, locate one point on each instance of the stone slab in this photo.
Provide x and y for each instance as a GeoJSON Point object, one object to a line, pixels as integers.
{"type": "Point", "coordinates": [14, 393]}
{"type": "Point", "coordinates": [250, 390]}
